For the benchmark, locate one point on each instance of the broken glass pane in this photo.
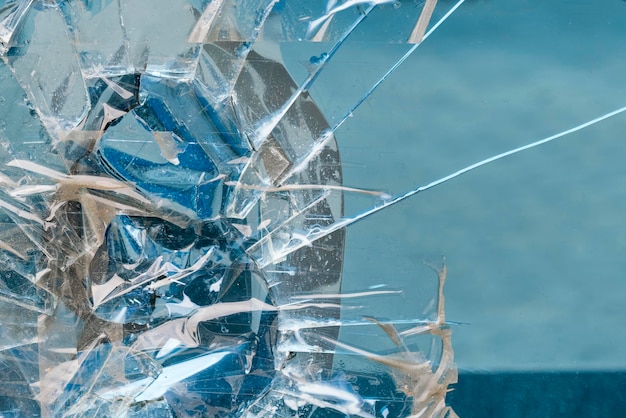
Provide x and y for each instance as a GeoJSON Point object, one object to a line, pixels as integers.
{"type": "Point", "coordinates": [220, 208]}
{"type": "Point", "coordinates": [174, 210]}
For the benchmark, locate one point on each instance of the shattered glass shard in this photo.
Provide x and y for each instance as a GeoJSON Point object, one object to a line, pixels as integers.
{"type": "Point", "coordinates": [173, 215]}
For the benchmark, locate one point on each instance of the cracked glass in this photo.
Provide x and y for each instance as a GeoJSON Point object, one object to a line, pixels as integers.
{"type": "Point", "coordinates": [242, 208]}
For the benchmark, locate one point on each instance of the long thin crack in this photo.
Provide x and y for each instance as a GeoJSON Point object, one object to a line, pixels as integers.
{"type": "Point", "coordinates": [481, 163]}
{"type": "Point", "coordinates": [321, 232]}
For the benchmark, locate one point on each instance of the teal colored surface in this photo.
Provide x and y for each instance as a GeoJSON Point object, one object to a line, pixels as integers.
{"type": "Point", "coordinates": [535, 243]}
{"type": "Point", "coordinates": [539, 395]}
